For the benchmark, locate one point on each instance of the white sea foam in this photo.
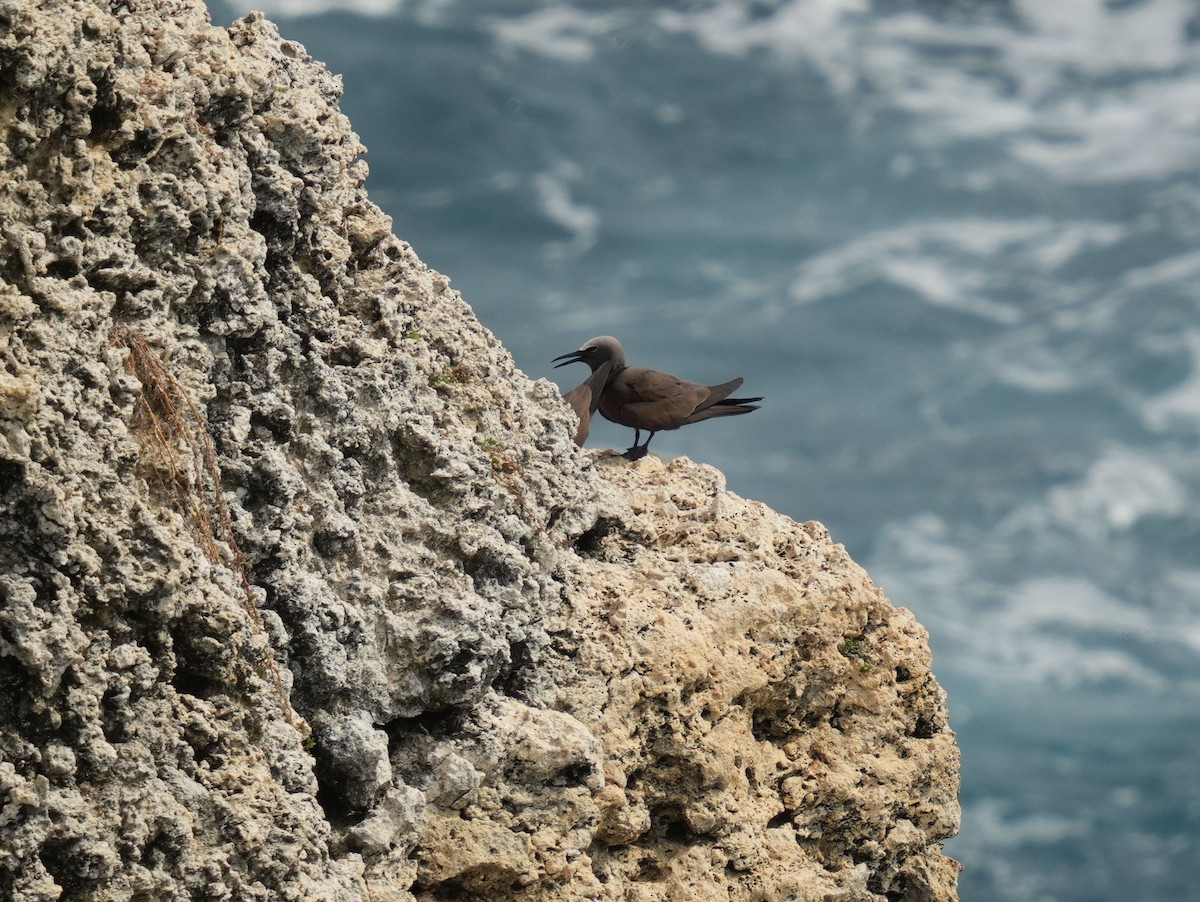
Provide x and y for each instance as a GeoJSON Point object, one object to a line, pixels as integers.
{"type": "Point", "coordinates": [986, 79]}
{"type": "Point", "coordinates": [1069, 601]}
{"type": "Point", "coordinates": [1183, 586]}
{"type": "Point", "coordinates": [1099, 37]}
{"type": "Point", "coordinates": [559, 32]}
{"type": "Point", "coordinates": [1171, 271]}
{"type": "Point", "coordinates": [552, 192]}
{"type": "Point", "coordinates": [1120, 488]}
{"type": "Point", "coordinates": [1030, 365]}
{"type": "Point", "coordinates": [1179, 406]}
{"type": "Point", "coordinates": [1110, 138]}
{"type": "Point", "coordinates": [993, 823]}
{"type": "Point", "coordinates": [285, 9]}
{"type": "Point", "coordinates": [1063, 631]}
{"type": "Point", "coordinates": [815, 31]}
{"type": "Point", "coordinates": [1056, 630]}
{"type": "Point", "coordinates": [948, 263]}
{"type": "Point", "coordinates": [1066, 240]}
{"type": "Point", "coordinates": [918, 561]}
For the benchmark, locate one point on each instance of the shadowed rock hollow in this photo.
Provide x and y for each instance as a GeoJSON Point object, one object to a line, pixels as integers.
{"type": "Point", "coordinates": [305, 591]}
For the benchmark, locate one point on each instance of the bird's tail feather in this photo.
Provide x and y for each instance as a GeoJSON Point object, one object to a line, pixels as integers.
{"type": "Point", "coordinates": [739, 401]}
{"type": "Point", "coordinates": [721, 410]}
{"type": "Point", "coordinates": [718, 393]}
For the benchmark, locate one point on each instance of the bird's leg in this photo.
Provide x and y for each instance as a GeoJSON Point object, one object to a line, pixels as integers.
{"type": "Point", "coordinates": [630, 452]}
{"type": "Point", "coordinates": [637, 452]}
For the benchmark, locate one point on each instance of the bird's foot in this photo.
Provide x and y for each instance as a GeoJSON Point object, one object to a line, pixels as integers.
{"type": "Point", "coordinates": [637, 452]}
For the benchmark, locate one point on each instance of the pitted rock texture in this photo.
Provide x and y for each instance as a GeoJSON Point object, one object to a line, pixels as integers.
{"type": "Point", "coordinates": [305, 590]}
{"type": "Point", "coordinates": [762, 706]}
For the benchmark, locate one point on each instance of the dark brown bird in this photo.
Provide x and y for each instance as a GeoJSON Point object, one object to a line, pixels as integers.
{"type": "Point", "coordinates": [642, 398]}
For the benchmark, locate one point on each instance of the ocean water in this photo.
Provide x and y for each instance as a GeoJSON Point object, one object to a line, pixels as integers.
{"type": "Point", "coordinates": [957, 247]}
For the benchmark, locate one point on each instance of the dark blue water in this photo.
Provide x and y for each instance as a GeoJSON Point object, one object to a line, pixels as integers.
{"type": "Point", "coordinates": [957, 246]}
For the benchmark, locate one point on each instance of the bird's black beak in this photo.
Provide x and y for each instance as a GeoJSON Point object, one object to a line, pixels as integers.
{"type": "Point", "coordinates": [573, 357]}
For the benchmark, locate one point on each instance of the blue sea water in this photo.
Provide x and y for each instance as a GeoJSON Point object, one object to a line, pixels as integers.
{"type": "Point", "coordinates": [957, 247]}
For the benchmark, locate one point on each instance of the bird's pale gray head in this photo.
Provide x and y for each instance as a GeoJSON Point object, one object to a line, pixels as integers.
{"type": "Point", "coordinates": [596, 352]}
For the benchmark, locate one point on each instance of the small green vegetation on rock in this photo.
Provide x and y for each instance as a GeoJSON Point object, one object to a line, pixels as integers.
{"type": "Point", "coordinates": [855, 647]}
{"type": "Point", "coordinates": [458, 374]}
{"type": "Point", "coordinates": [495, 450]}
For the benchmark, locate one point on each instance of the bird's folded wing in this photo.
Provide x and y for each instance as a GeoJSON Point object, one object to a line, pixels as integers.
{"type": "Point", "coordinates": [649, 399]}
{"type": "Point", "coordinates": [596, 383]}
{"type": "Point", "coordinates": [651, 386]}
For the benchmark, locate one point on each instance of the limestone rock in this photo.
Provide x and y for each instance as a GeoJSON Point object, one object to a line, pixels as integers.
{"type": "Point", "coordinates": [770, 721]}
{"type": "Point", "coordinates": [305, 590]}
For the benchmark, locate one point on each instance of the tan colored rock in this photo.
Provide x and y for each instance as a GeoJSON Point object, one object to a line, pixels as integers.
{"type": "Point", "coordinates": [741, 714]}
{"type": "Point", "coordinates": [765, 710]}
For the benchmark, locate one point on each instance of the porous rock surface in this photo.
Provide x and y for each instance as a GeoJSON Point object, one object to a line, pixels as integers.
{"type": "Point", "coordinates": [305, 591]}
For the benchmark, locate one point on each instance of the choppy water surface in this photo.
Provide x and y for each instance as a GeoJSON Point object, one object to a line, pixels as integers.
{"type": "Point", "coordinates": [956, 246]}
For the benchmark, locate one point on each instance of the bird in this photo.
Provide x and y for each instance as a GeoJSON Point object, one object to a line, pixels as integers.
{"type": "Point", "coordinates": [642, 398]}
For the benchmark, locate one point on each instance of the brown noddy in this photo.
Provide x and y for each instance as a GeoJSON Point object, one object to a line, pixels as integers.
{"type": "Point", "coordinates": [642, 398]}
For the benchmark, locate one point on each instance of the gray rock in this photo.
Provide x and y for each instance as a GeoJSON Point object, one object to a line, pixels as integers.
{"type": "Point", "coordinates": [354, 756]}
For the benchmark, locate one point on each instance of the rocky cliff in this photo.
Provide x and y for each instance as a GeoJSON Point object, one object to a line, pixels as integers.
{"type": "Point", "coordinates": [305, 591]}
